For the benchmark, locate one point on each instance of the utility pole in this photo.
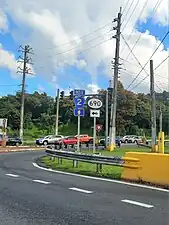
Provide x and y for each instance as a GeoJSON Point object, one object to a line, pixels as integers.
{"type": "Point", "coordinates": [115, 83]}
{"type": "Point", "coordinates": [153, 107]}
{"type": "Point", "coordinates": [57, 112]}
{"type": "Point", "coordinates": [106, 118]}
{"type": "Point", "coordinates": [25, 70]}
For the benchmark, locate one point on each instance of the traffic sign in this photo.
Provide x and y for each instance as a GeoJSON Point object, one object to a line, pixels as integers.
{"type": "Point", "coordinates": [94, 113]}
{"type": "Point", "coordinates": [78, 92]}
{"type": "Point", "coordinates": [99, 127]}
{"type": "Point", "coordinates": [95, 103]}
{"type": "Point", "coordinates": [79, 102]}
{"type": "Point", "coordinates": [79, 112]}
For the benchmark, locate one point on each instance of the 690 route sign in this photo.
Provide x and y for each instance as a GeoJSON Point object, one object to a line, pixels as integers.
{"type": "Point", "coordinates": [95, 103]}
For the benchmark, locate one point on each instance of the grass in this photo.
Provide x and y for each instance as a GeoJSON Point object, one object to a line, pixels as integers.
{"type": "Point", "coordinates": [83, 168]}
{"type": "Point", "coordinates": [90, 169]}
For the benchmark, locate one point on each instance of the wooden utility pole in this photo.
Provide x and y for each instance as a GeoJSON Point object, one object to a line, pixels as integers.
{"type": "Point", "coordinates": [25, 70]}
{"type": "Point", "coordinates": [112, 134]}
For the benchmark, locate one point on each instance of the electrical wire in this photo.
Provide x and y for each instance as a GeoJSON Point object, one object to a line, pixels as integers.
{"type": "Point", "coordinates": [87, 49]}
{"type": "Point", "coordinates": [128, 10]}
{"type": "Point", "coordinates": [138, 19]}
{"type": "Point", "coordinates": [147, 62]}
{"type": "Point", "coordinates": [80, 38]}
{"type": "Point", "coordinates": [161, 62]}
{"type": "Point", "coordinates": [131, 14]}
{"type": "Point", "coordinates": [139, 67]}
{"type": "Point", "coordinates": [154, 10]}
{"type": "Point", "coordinates": [69, 50]}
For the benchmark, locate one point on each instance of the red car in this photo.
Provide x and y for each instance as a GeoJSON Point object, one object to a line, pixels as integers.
{"type": "Point", "coordinates": [67, 141]}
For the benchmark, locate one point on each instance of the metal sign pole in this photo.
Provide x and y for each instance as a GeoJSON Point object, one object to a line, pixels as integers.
{"type": "Point", "coordinates": [94, 135]}
{"type": "Point", "coordinates": [78, 132]}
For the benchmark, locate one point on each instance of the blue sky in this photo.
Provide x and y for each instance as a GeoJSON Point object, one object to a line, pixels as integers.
{"type": "Point", "coordinates": [9, 85]}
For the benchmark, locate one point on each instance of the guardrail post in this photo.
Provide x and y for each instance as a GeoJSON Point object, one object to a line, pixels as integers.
{"type": "Point", "coordinates": [75, 163]}
{"type": "Point", "coordinates": [101, 167]}
{"type": "Point", "coordinates": [59, 160]}
{"type": "Point", "coordinates": [97, 168]}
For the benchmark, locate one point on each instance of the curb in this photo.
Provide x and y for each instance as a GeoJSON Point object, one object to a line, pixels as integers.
{"type": "Point", "coordinates": [21, 150]}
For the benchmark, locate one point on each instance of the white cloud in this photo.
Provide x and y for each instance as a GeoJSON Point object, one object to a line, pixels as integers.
{"type": "Point", "coordinates": [7, 59]}
{"type": "Point", "coordinates": [52, 23]}
{"type": "Point", "coordinates": [3, 22]}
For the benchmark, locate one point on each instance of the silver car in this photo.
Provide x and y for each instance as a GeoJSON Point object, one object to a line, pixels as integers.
{"type": "Point", "coordinates": [50, 139]}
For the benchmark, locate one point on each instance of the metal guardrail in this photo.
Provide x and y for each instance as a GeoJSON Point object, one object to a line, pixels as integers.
{"type": "Point", "coordinates": [99, 160]}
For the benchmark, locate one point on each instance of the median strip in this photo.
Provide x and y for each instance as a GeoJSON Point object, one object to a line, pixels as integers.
{"type": "Point", "coordinates": [41, 181]}
{"type": "Point", "coordinates": [137, 203]}
{"type": "Point", "coordinates": [81, 190]}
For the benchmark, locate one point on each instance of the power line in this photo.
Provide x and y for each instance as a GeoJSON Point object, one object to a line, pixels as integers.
{"type": "Point", "coordinates": [80, 38]}
{"type": "Point", "coordinates": [154, 10]}
{"type": "Point", "coordinates": [128, 10]}
{"type": "Point", "coordinates": [131, 14]}
{"type": "Point", "coordinates": [139, 17]}
{"type": "Point", "coordinates": [148, 60]}
{"type": "Point", "coordinates": [69, 50]}
{"type": "Point", "coordinates": [161, 62]}
{"type": "Point", "coordinates": [87, 49]}
{"type": "Point", "coordinates": [139, 67]}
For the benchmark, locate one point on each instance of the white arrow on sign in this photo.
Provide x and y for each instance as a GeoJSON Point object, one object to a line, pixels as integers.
{"type": "Point", "coordinates": [94, 113]}
{"type": "Point", "coordinates": [95, 103]}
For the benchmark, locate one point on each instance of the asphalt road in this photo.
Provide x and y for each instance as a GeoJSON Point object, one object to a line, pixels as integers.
{"type": "Point", "coordinates": [29, 195]}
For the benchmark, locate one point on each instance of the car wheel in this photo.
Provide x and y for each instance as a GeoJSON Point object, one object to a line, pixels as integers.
{"type": "Point", "coordinates": [45, 142]}
{"type": "Point", "coordinates": [17, 144]}
{"type": "Point", "coordinates": [126, 141]}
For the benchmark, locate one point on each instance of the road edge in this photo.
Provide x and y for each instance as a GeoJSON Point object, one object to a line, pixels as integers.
{"type": "Point", "coordinates": [35, 164]}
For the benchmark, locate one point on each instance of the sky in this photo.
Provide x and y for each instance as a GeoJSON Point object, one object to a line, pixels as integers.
{"type": "Point", "coordinates": [73, 45]}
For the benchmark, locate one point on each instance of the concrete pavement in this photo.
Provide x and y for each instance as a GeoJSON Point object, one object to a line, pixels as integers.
{"type": "Point", "coordinates": [29, 195]}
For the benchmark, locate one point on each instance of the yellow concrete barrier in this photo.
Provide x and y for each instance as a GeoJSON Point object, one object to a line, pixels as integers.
{"type": "Point", "coordinates": [149, 167]}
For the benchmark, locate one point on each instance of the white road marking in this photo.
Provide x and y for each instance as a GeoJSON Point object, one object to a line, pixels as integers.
{"type": "Point", "coordinates": [102, 179]}
{"type": "Point", "coordinates": [81, 190]}
{"type": "Point", "coordinates": [137, 203]}
{"type": "Point", "coordinates": [41, 181]}
{"type": "Point", "coordinates": [12, 175]}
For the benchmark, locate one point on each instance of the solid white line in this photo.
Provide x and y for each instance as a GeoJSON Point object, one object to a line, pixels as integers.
{"type": "Point", "coordinates": [102, 179]}
{"type": "Point", "coordinates": [81, 190]}
{"type": "Point", "coordinates": [12, 175]}
{"type": "Point", "coordinates": [137, 203]}
{"type": "Point", "coordinates": [41, 181]}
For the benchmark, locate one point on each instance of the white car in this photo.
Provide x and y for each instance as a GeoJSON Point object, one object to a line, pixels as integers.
{"type": "Point", "coordinates": [50, 139]}
{"type": "Point", "coordinates": [128, 139]}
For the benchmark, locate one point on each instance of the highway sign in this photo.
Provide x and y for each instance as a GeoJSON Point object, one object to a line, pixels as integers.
{"type": "Point", "coordinates": [94, 113]}
{"type": "Point", "coordinates": [95, 103]}
{"type": "Point", "coordinates": [78, 92]}
{"type": "Point", "coordinates": [79, 112]}
{"type": "Point", "coordinates": [79, 102]}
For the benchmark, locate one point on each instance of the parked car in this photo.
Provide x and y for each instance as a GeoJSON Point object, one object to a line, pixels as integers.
{"type": "Point", "coordinates": [85, 138]}
{"type": "Point", "coordinates": [12, 141]}
{"type": "Point", "coordinates": [70, 140]}
{"type": "Point", "coordinates": [50, 139]}
{"type": "Point", "coordinates": [128, 139]}
{"type": "Point", "coordinates": [138, 139]}
{"type": "Point", "coordinates": [102, 141]}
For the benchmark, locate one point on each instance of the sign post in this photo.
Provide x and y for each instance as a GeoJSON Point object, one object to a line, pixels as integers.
{"type": "Point", "coordinates": [79, 111]}
{"type": "Point", "coordinates": [95, 104]}
{"type": "Point", "coordinates": [94, 135]}
{"type": "Point", "coordinates": [78, 131]}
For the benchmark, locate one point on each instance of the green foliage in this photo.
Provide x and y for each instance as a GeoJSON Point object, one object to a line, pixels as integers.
{"type": "Point", "coordinates": [133, 114]}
